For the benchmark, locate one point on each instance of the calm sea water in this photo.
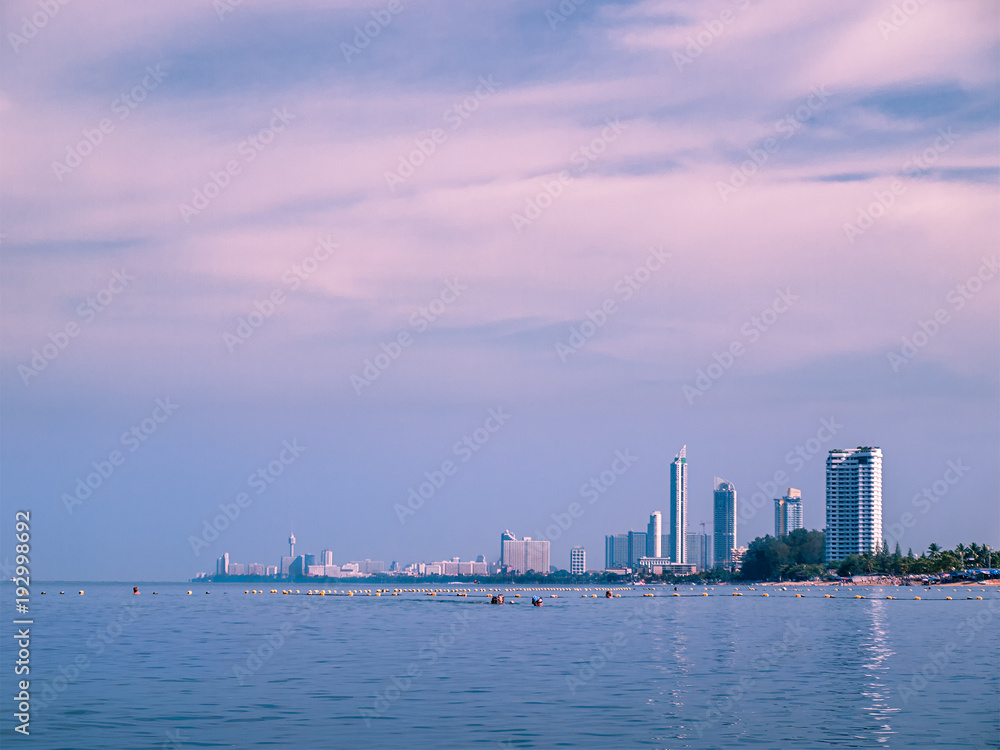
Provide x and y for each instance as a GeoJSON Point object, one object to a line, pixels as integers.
{"type": "Point", "coordinates": [225, 669]}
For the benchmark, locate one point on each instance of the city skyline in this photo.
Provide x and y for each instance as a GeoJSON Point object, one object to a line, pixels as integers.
{"type": "Point", "coordinates": [433, 290]}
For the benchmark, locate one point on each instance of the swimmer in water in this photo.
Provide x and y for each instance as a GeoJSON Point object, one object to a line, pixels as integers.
{"type": "Point", "coordinates": [135, 590]}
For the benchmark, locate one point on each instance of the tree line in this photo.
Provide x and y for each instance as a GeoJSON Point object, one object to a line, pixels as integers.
{"type": "Point", "coordinates": [800, 556]}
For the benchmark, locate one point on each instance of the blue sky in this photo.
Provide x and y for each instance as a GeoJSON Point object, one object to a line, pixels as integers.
{"type": "Point", "coordinates": [819, 182]}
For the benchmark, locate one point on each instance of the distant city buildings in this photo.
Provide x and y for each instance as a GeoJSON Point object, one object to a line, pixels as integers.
{"type": "Point", "coordinates": [524, 555]}
{"type": "Point", "coordinates": [699, 551]}
{"type": "Point", "coordinates": [636, 547]}
{"type": "Point", "coordinates": [724, 527]}
{"type": "Point", "coordinates": [678, 508]}
{"type": "Point", "coordinates": [788, 512]}
{"type": "Point", "coordinates": [853, 501]}
{"type": "Point", "coordinates": [577, 561]}
{"type": "Point", "coordinates": [616, 551]}
{"type": "Point", "coordinates": [654, 535]}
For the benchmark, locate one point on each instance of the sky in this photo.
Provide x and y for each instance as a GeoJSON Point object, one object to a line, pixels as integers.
{"type": "Point", "coordinates": [399, 276]}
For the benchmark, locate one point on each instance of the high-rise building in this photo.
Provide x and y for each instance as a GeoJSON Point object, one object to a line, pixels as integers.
{"type": "Point", "coordinates": [222, 565]}
{"type": "Point", "coordinates": [616, 551]}
{"type": "Point", "coordinates": [853, 501]}
{"type": "Point", "coordinates": [636, 547]}
{"type": "Point", "coordinates": [506, 536]}
{"type": "Point", "coordinates": [578, 561]}
{"type": "Point", "coordinates": [524, 555]}
{"type": "Point", "coordinates": [654, 535]}
{"type": "Point", "coordinates": [698, 547]}
{"type": "Point", "coordinates": [678, 508]}
{"type": "Point", "coordinates": [326, 557]}
{"type": "Point", "coordinates": [725, 524]}
{"type": "Point", "coordinates": [788, 512]}
{"type": "Point", "coordinates": [291, 545]}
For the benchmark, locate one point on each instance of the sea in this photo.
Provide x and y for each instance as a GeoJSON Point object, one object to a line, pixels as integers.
{"type": "Point", "coordinates": [218, 666]}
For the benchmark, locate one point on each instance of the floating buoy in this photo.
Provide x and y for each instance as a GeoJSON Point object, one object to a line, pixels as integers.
{"type": "Point", "coordinates": [766, 594]}
{"type": "Point", "coordinates": [947, 597]}
{"type": "Point", "coordinates": [81, 592]}
{"type": "Point", "coordinates": [704, 593]}
{"type": "Point", "coordinates": [979, 597]}
{"type": "Point", "coordinates": [798, 596]}
{"type": "Point", "coordinates": [189, 592]}
{"type": "Point", "coordinates": [916, 597]}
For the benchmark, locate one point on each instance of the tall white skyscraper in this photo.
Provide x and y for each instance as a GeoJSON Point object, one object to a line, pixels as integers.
{"type": "Point", "coordinates": [678, 508]}
{"type": "Point", "coordinates": [654, 544]}
{"type": "Point", "coordinates": [578, 561]}
{"type": "Point", "coordinates": [724, 517]}
{"type": "Point", "coordinates": [853, 501]}
{"type": "Point", "coordinates": [788, 512]}
{"type": "Point", "coordinates": [326, 557]}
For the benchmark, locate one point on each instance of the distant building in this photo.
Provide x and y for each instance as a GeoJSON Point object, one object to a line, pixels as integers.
{"type": "Point", "coordinates": [316, 570]}
{"type": "Point", "coordinates": [699, 554]}
{"type": "Point", "coordinates": [524, 555]}
{"type": "Point", "coordinates": [222, 565]}
{"type": "Point", "coordinates": [369, 567]}
{"type": "Point", "coordinates": [616, 551]}
{"type": "Point", "coordinates": [636, 547]}
{"type": "Point", "coordinates": [326, 557]}
{"type": "Point", "coordinates": [724, 531]}
{"type": "Point", "coordinates": [457, 567]}
{"type": "Point", "coordinates": [678, 508]}
{"type": "Point", "coordinates": [654, 535]}
{"type": "Point", "coordinates": [236, 569]}
{"type": "Point", "coordinates": [255, 569]}
{"type": "Point", "coordinates": [853, 501]}
{"type": "Point", "coordinates": [659, 565]}
{"type": "Point", "coordinates": [578, 561]}
{"type": "Point", "coordinates": [788, 513]}
{"type": "Point", "coordinates": [332, 571]}
{"type": "Point", "coordinates": [286, 565]}
{"type": "Point", "coordinates": [272, 570]}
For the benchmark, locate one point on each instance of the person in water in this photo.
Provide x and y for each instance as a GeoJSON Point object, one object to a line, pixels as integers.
{"type": "Point", "coordinates": [536, 601]}
{"type": "Point", "coordinates": [607, 594]}
{"type": "Point", "coordinates": [135, 590]}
